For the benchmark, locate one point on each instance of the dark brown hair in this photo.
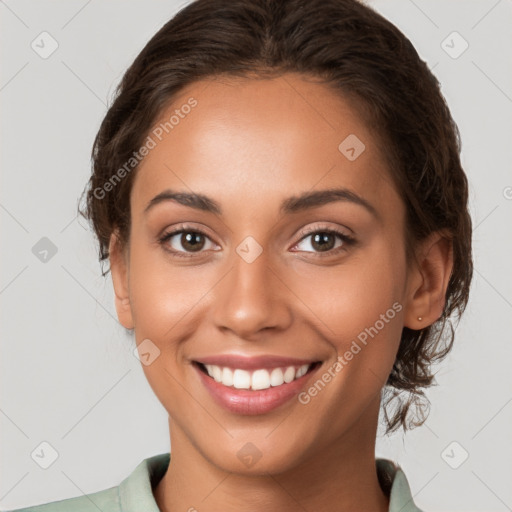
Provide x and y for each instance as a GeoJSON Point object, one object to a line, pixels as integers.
{"type": "Point", "coordinates": [362, 56]}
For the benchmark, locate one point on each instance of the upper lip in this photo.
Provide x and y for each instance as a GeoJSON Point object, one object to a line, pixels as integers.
{"type": "Point", "coordinates": [253, 362]}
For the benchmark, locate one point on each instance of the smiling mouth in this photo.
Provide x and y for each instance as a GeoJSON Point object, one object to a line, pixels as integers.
{"type": "Point", "coordinates": [258, 379]}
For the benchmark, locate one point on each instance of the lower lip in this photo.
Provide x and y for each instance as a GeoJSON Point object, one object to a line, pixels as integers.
{"type": "Point", "coordinates": [245, 401]}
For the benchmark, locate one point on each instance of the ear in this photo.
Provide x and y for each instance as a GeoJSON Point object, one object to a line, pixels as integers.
{"type": "Point", "coordinates": [428, 281]}
{"type": "Point", "coordinates": [119, 266]}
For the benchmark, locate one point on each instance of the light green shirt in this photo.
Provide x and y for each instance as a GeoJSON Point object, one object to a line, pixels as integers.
{"type": "Point", "coordinates": [134, 493]}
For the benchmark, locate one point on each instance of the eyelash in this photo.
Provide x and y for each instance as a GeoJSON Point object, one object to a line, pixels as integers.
{"type": "Point", "coordinates": [346, 239]}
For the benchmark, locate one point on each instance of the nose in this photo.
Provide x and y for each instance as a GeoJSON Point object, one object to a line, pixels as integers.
{"type": "Point", "coordinates": [252, 297]}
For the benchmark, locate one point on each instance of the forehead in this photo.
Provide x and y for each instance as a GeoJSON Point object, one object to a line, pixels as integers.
{"type": "Point", "coordinates": [247, 138]}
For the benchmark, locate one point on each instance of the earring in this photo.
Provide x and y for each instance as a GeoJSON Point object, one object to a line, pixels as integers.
{"type": "Point", "coordinates": [420, 319]}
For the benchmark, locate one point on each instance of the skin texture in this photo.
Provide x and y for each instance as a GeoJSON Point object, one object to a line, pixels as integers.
{"type": "Point", "coordinates": [250, 144]}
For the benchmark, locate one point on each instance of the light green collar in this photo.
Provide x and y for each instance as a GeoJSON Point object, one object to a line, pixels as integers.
{"type": "Point", "coordinates": [135, 491]}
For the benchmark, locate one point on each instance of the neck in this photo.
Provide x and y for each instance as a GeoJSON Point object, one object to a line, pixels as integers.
{"type": "Point", "coordinates": [340, 477]}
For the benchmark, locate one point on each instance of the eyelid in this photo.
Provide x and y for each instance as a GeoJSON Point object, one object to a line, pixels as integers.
{"type": "Point", "coordinates": [185, 226]}
{"type": "Point", "coordinates": [317, 228]}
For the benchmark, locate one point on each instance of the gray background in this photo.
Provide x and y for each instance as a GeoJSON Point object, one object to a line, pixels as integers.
{"type": "Point", "coordinates": [68, 374]}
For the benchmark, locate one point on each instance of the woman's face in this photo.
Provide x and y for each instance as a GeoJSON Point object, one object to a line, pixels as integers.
{"type": "Point", "coordinates": [269, 266]}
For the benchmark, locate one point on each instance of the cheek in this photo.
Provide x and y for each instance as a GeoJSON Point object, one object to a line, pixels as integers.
{"type": "Point", "coordinates": [359, 305]}
{"type": "Point", "coordinates": [163, 294]}
{"type": "Point", "coordinates": [353, 294]}
{"type": "Point", "coordinates": [361, 315]}
{"type": "Point", "coordinates": [164, 298]}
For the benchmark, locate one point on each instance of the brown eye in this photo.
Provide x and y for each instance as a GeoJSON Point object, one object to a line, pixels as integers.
{"type": "Point", "coordinates": [192, 241]}
{"type": "Point", "coordinates": [185, 242]}
{"type": "Point", "coordinates": [325, 241]}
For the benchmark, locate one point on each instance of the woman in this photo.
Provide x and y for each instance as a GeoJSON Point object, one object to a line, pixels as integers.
{"type": "Point", "coordinates": [278, 190]}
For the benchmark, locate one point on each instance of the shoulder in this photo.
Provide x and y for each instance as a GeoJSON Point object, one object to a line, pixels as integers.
{"type": "Point", "coordinates": [134, 492]}
{"type": "Point", "coordinates": [106, 501]}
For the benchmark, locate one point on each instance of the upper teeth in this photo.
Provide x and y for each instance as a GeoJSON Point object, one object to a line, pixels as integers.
{"type": "Point", "coordinates": [258, 379]}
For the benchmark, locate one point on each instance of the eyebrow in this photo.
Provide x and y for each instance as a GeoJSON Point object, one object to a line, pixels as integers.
{"type": "Point", "coordinates": [290, 205]}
